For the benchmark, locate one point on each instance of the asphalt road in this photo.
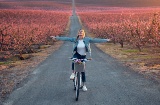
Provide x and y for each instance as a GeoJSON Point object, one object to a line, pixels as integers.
{"type": "Point", "coordinates": [108, 81]}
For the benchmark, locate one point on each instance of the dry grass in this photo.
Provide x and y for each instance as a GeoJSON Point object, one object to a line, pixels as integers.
{"type": "Point", "coordinates": [146, 62]}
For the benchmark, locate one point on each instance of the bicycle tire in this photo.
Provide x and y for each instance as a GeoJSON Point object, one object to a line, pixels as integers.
{"type": "Point", "coordinates": [77, 85]}
{"type": "Point", "coordinates": [74, 81]}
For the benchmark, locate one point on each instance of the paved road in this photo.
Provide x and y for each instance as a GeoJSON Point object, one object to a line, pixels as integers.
{"type": "Point", "coordinates": [108, 81]}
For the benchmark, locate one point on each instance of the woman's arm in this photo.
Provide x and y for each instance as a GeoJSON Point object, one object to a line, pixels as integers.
{"type": "Point", "coordinates": [98, 40]}
{"type": "Point", "coordinates": [71, 39]}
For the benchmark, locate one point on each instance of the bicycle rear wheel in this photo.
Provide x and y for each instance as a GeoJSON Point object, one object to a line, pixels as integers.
{"type": "Point", "coordinates": [77, 85]}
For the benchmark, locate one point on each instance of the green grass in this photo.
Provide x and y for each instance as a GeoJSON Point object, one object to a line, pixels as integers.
{"type": "Point", "coordinates": [5, 63]}
{"type": "Point", "coordinates": [131, 51]}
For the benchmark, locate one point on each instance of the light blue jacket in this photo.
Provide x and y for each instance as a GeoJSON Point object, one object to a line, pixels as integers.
{"type": "Point", "coordinates": [86, 41]}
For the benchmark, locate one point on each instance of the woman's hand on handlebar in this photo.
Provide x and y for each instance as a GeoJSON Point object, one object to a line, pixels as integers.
{"type": "Point", "coordinates": [80, 60]}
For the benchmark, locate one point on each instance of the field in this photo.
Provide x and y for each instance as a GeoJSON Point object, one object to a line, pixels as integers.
{"type": "Point", "coordinates": [119, 3]}
{"type": "Point", "coordinates": [126, 26]}
{"type": "Point", "coordinates": [36, 5]}
{"type": "Point", "coordinates": [29, 23]}
{"type": "Point", "coordinates": [21, 29]}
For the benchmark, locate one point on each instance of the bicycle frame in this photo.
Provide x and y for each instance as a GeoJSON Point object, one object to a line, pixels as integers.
{"type": "Point", "coordinates": [78, 78]}
{"type": "Point", "coordinates": [79, 65]}
{"type": "Point", "coordinates": [77, 84]}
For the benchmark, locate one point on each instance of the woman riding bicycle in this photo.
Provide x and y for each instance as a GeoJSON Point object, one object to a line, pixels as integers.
{"type": "Point", "coordinates": [81, 47]}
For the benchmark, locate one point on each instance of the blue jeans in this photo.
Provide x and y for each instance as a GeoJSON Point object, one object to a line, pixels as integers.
{"type": "Point", "coordinates": [78, 56]}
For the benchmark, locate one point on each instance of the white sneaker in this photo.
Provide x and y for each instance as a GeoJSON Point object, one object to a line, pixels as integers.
{"type": "Point", "coordinates": [72, 76]}
{"type": "Point", "coordinates": [84, 88]}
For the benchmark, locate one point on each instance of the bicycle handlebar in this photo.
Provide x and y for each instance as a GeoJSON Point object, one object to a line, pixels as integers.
{"type": "Point", "coordinates": [80, 60]}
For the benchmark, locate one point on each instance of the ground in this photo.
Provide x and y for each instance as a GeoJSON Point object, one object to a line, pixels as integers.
{"type": "Point", "coordinates": [12, 74]}
{"type": "Point", "coordinates": [145, 62]}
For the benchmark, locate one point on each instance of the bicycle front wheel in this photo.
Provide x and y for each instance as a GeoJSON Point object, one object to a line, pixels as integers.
{"type": "Point", "coordinates": [77, 85]}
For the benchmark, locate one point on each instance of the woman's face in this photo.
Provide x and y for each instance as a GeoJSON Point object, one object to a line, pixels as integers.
{"type": "Point", "coordinates": [81, 34]}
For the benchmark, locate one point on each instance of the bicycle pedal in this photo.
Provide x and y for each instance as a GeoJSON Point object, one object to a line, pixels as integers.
{"type": "Point", "coordinates": [71, 79]}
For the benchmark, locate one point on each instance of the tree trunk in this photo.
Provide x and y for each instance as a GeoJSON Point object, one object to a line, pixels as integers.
{"type": "Point", "coordinates": [121, 43]}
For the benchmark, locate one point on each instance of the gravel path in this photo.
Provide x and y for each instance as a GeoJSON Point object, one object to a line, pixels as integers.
{"type": "Point", "coordinates": [108, 81]}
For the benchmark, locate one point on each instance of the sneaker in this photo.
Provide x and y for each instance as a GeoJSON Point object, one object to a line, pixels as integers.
{"type": "Point", "coordinates": [84, 88]}
{"type": "Point", "coordinates": [72, 76]}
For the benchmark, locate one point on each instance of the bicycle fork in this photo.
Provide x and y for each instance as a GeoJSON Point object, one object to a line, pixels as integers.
{"type": "Point", "coordinates": [75, 79]}
{"type": "Point", "coordinates": [77, 83]}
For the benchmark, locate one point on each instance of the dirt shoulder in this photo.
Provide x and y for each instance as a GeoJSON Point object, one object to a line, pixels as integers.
{"type": "Point", "coordinates": [146, 62]}
{"type": "Point", "coordinates": [13, 73]}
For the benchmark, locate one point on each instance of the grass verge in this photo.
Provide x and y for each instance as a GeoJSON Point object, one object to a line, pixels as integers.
{"type": "Point", "coordinates": [146, 62]}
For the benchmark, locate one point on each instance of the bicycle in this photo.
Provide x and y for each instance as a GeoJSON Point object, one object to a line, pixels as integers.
{"type": "Point", "coordinates": [79, 65]}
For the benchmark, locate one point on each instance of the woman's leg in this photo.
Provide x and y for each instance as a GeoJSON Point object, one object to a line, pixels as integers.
{"type": "Point", "coordinates": [74, 56]}
{"type": "Point", "coordinates": [72, 66]}
{"type": "Point", "coordinates": [83, 73]}
{"type": "Point", "coordinates": [73, 75]}
{"type": "Point", "coordinates": [84, 88]}
{"type": "Point", "coordinates": [83, 77]}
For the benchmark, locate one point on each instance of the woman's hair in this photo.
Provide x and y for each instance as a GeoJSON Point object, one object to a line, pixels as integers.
{"type": "Point", "coordinates": [81, 30]}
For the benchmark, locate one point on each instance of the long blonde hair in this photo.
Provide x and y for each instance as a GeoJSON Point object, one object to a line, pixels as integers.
{"type": "Point", "coordinates": [81, 30]}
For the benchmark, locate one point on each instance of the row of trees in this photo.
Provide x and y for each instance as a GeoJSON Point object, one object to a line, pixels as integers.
{"type": "Point", "coordinates": [136, 29]}
{"type": "Point", "coordinates": [20, 30]}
